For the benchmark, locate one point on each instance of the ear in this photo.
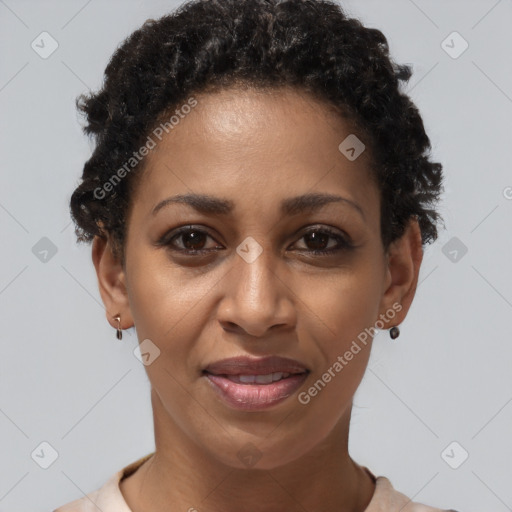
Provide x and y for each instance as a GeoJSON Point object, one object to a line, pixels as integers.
{"type": "Point", "coordinates": [111, 282]}
{"type": "Point", "coordinates": [403, 265]}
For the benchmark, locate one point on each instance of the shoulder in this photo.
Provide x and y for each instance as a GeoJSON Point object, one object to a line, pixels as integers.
{"type": "Point", "coordinates": [105, 498]}
{"type": "Point", "coordinates": [108, 498]}
{"type": "Point", "coordinates": [388, 499]}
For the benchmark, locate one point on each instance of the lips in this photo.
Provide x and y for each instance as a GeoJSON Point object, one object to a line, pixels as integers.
{"type": "Point", "coordinates": [255, 366]}
{"type": "Point", "coordinates": [254, 384]}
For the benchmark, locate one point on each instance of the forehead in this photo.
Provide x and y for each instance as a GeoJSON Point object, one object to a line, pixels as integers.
{"type": "Point", "coordinates": [255, 144]}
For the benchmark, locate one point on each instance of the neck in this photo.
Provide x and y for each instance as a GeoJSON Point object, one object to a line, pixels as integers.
{"type": "Point", "coordinates": [181, 476]}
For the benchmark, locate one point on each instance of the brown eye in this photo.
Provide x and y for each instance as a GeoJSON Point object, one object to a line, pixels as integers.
{"type": "Point", "coordinates": [324, 241]}
{"type": "Point", "coordinates": [192, 240]}
{"type": "Point", "coordinates": [317, 240]}
{"type": "Point", "coordinates": [187, 240]}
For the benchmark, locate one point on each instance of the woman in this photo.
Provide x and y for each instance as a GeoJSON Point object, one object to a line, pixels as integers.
{"type": "Point", "coordinates": [258, 201]}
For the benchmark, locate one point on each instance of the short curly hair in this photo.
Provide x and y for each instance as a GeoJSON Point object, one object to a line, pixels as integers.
{"type": "Point", "coordinates": [307, 44]}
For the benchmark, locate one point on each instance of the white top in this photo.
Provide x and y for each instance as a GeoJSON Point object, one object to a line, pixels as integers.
{"type": "Point", "coordinates": [110, 499]}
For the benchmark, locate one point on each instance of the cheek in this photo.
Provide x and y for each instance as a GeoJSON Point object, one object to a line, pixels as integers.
{"type": "Point", "coordinates": [342, 315]}
{"type": "Point", "coordinates": [161, 301]}
{"type": "Point", "coordinates": [346, 303]}
{"type": "Point", "coordinates": [343, 310]}
{"type": "Point", "coordinates": [165, 309]}
{"type": "Point", "coordinates": [168, 308]}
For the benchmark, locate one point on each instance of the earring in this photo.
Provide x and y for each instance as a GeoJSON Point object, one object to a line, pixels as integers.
{"type": "Point", "coordinates": [394, 332]}
{"type": "Point", "coordinates": [119, 332]}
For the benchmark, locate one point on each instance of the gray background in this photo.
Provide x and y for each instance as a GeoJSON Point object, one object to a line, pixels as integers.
{"type": "Point", "coordinates": [66, 380]}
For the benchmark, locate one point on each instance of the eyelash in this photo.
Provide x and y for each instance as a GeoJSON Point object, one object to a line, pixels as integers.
{"type": "Point", "coordinates": [342, 242]}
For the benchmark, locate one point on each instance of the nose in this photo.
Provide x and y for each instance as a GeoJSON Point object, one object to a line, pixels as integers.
{"type": "Point", "coordinates": [257, 297]}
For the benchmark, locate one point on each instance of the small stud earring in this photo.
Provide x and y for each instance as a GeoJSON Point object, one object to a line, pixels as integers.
{"type": "Point", "coordinates": [394, 332]}
{"type": "Point", "coordinates": [119, 332]}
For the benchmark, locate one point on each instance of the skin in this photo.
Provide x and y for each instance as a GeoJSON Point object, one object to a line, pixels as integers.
{"type": "Point", "coordinates": [254, 148]}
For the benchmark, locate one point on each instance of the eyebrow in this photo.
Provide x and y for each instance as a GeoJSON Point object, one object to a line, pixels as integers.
{"type": "Point", "coordinates": [211, 205]}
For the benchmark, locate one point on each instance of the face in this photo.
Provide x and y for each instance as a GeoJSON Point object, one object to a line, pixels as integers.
{"type": "Point", "coordinates": [273, 250]}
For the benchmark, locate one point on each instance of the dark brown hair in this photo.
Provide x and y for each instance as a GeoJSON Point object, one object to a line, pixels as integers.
{"type": "Point", "coordinates": [308, 44]}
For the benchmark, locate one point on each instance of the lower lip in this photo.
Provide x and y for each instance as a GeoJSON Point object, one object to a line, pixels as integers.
{"type": "Point", "coordinates": [255, 397]}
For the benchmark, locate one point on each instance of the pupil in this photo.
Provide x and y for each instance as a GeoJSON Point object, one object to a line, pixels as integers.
{"type": "Point", "coordinates": [192, 238]}
{"type": "Point", "coordinates": [319, 240]}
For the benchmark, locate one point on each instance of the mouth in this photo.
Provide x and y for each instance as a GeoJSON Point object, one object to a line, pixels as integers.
{"type": "Point", "coordinates": [255, 383]}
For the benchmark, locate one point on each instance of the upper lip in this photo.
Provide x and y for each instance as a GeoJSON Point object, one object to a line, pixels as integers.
{"type": "Point", "coordinates": [244, 365]}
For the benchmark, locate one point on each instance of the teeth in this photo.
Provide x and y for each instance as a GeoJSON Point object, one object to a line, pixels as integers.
{"type": "Point", "coordinates": [259, 379]}
{"type": "Point", "coordinates": [264, 379]}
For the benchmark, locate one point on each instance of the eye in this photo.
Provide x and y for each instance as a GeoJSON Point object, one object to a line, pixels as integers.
{"type": "Point", "coordinates": [325, 241]}
{"type": "Point", "coordinates": [187, 240]}
{"type": "Point", "coordinates": [190, 240]}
